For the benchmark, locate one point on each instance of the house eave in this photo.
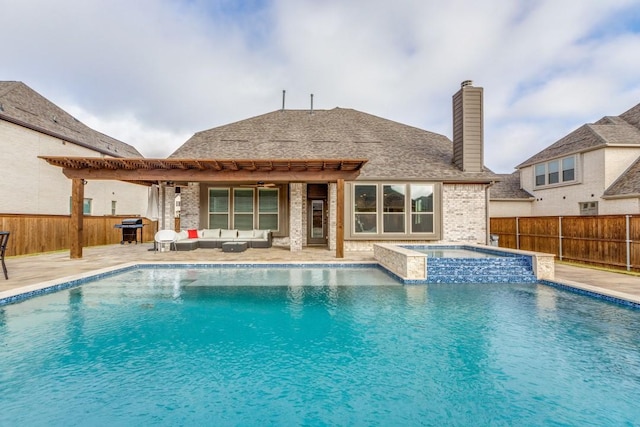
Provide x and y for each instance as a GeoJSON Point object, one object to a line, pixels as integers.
{"type": "Point", "coordinates": [503, 199]}
{"type": "Point", "coordinates": [569, 153]}
{"type": "Point", "coordinates": [622, 196]}
{"type": "Point", "coordinates": [57, 135]}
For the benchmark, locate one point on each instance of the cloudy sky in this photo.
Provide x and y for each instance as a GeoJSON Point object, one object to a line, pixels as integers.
{"type": "Point", "coordinates": [153, 72]}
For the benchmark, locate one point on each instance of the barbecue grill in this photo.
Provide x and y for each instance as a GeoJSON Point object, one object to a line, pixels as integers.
{"type": "Point", "coordinates": [130, 229]}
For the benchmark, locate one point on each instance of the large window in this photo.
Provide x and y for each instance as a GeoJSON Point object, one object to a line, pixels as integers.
{"type": "Point", "coordinates": [569, 169]}
{"type": "Point", "coordinates": [268, 209]}
{"type": "Point", "coordinates": [559, 171]}
{"type": "Point", "coordinates": [393, 209]}
{"type": "Point", "coordinates": [365, 208]}
{"type": "Point", "coordinates": [421, 208]}
{"type": "Point", "coordinates": [244, 208]}
{"type": "Point", "coordinates": [393, 205]}
{"type": "Point", "coordinates": [219, 208]}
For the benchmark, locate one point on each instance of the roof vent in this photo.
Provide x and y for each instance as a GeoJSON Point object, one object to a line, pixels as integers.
{"type": "Point", "coordinates": [466, 83]}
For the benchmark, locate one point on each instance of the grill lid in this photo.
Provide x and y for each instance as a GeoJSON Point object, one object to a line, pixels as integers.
{"type": "Point", "coordinates": [132, 221]}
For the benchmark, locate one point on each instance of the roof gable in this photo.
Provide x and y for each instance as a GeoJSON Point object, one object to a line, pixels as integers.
{"type": "Point", "coordinates": [610, 130]}
{"type": "Point", "coordinates": [393, 150]}
{"type": "Point", "coordinates": [22, 105]}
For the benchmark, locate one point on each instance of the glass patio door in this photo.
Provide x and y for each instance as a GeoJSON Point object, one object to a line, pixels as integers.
{"type": "Point", "coordinates": [317, 223]}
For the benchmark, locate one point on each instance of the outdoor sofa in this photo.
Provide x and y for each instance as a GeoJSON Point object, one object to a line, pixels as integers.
{"type": "Point", "coordinates": [188, 240]}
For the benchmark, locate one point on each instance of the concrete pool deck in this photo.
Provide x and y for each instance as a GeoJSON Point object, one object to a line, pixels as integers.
{"type": "Point", "coordinates": [56, 267]}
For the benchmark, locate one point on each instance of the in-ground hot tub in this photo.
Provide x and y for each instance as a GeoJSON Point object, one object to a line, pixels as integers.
{"type": "Point", "coordinates": [465, 263]}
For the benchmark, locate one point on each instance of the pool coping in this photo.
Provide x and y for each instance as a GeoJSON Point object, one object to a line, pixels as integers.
{"type": "Point", "coordinates": [26, 292]}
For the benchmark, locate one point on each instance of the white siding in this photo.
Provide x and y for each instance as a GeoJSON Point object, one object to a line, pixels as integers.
{"type": "Point", "coordinates": [510, 208]}
{"type": "Point", "coordinates": [595, 172]}
{"type": "Point", "coordinates": [32, 186]}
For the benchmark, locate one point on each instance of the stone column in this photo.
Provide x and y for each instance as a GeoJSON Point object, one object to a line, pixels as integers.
{"type": "Point", "coordinates": [305, 215]}
{"type": "Point", "coordinates": [190, 206]}
{"type": "Point", "coordinates": [295, 216]}
{"type": "Point", "coordinates": [332, 216]}
{"type": "Point", "coordinates": [168, 208]}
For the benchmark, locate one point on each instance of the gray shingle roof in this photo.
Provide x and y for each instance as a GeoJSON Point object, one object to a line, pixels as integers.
{"type": "Point", "coordinates": [509, 188]}
{"type": "Point", "coordinates": [623, 129]}
{"type": "Point", "coordinates": [628, 184]}
{"type": "Point", "coordinates": [632, 116]}
{"type": "Point", "coordinates": [22, 105]}
{"type": "Point", "coordinates": [394, 150]}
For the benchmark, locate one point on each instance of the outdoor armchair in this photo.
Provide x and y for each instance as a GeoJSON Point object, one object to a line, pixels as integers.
{"type": "Point", "coordinates": [164, 237]}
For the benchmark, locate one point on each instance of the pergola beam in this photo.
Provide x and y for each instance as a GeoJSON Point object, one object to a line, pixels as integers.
{"type": "Point", "coordinates": [142, 170]}
{"type": "Point", "coordinates": [155, 175]}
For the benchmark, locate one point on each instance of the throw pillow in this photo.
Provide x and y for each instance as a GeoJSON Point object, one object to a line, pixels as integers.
{"type": "Point", "coordinates": [193, 234]}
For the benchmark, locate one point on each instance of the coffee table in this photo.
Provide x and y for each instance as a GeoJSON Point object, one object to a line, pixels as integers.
{"type": "Point", "coordinates": [234, 246]}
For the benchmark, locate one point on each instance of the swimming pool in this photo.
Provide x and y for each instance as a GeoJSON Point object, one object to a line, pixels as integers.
{"type": "Point", "coordinates": [303, 346]}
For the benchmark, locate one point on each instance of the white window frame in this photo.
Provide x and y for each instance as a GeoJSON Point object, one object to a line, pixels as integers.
{"type": "Point", "coordinates": [560, 161]}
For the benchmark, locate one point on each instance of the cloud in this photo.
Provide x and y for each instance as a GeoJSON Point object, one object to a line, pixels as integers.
{"type": "Point", "coordinates": [152, 73]}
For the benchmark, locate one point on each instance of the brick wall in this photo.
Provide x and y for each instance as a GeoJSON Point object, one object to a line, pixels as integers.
{"type": "Point", "coordinates": [190, 206]}
{"type": "Point", "coordinates": [333, 212]}
{"type": "Point", "coordinates": [296, 204]}
{"type": "Point", "coordinates": [464, 213]}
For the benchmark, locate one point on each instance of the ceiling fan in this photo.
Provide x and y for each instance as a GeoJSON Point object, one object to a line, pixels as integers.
{"type": "Point", "coordinates": [259, 184]}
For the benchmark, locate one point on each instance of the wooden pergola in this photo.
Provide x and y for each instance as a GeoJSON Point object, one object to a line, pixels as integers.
{"type": "Point", "coordinates": [151, 171]}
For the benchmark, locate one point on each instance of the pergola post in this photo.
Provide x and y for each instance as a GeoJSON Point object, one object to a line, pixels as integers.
{"type": "Point", "coordinates": [77, 218]}
{"type": "Point", "coordinates": [340, 218]}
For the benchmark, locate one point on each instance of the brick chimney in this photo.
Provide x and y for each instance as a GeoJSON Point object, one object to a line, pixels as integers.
{"type": "Point", "coordinates": [468, 128]}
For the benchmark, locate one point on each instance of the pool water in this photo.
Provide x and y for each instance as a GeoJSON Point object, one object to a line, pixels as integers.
{"type": "Point", "coordinates": [170, 347]}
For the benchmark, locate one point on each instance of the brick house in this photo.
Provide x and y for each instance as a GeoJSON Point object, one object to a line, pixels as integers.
{"type": "Point", "coordinates": [416, 185]}
{"type": "Point", "coordinates": [338, 178]}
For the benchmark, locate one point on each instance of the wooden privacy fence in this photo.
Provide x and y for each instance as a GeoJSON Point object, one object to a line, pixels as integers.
{"type": "Point", "coordinates": [604, 240]}
{"type": "Point", "coordinates": [32, 234]}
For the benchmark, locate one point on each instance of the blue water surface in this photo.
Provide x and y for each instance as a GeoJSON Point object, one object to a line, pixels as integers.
{"type": "Point", "coordinates": [315, 347]}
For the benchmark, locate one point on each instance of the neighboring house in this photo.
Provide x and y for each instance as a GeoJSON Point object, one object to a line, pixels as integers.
{"type": "Point", "coordinates": [416, 186]}
{"type": "Point", "coordinates": [508, 199]}
{"type": "Point", "coordinates": [32, 126]}
{"type": "Point", "coordinates": [595, 170]}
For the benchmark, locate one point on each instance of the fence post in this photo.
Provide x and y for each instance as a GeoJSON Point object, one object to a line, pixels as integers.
{"type": "Point", "coordinates": [560, 236]}
{"type": "Point", "coordinates": [628, 240]}
{"type": "Point", "coordinates": [517, 233]}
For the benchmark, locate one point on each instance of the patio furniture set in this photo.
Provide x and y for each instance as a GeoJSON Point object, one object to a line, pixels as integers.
{"type": "Point", "coordinates": [227, 240]}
